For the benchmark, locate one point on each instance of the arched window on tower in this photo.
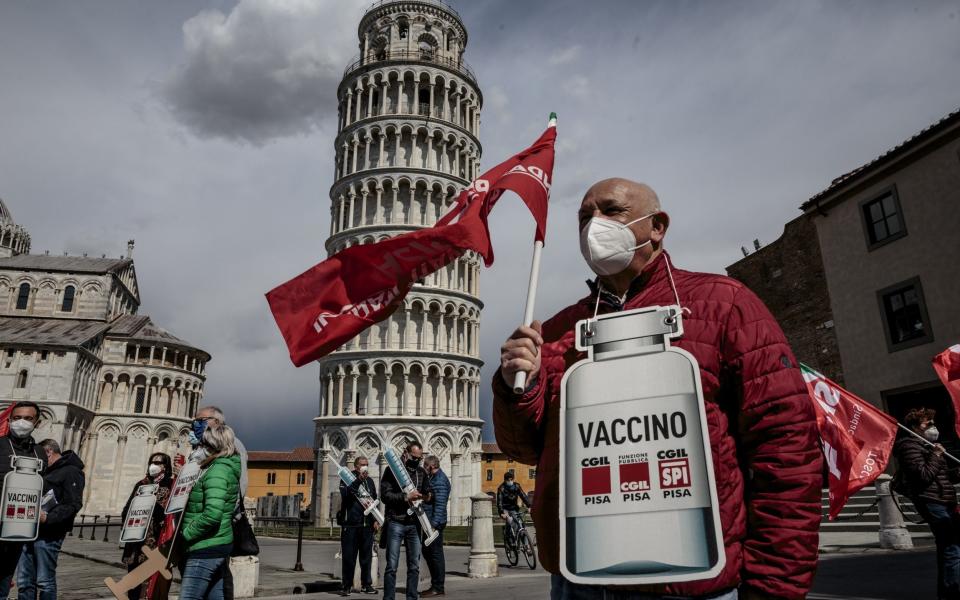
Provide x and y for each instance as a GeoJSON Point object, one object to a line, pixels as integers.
{"type": "Point", "coordinates": [24, 296]}
{"type": "Point", "coordinates": [141, 399]}
{"type": "Point", "coordinates": [21, 379]}
{"type": "Point", "coordinates": [403, 29]}
{"type": "Point", "coordinates": [68, 295]}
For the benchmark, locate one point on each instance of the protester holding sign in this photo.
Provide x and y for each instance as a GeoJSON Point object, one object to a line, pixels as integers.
{"type": "Point", "coordinates": [159, 473]}
{"type": "Point", "coordinates": [927, 479]}
{"type": "Point", "coordinates": [761, 425]}
{"type": "Point", "coordinates": [206, 528]}
{"type": "Point", "coordinates": [20, 420]}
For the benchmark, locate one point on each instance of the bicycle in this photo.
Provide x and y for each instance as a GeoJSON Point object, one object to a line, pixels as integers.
{"type": "Point", "coordinates": [519, 542]}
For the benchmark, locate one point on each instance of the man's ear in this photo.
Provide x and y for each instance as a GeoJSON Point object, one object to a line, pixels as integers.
{"type": "Point", "coordinates": [659, 223]}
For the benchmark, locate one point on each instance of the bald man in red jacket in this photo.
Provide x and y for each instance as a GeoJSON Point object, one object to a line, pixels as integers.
{"type": "Point", "coordinates": [762, 426]}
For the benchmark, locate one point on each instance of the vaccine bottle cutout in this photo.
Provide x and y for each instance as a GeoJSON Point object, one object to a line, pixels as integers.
{"type": "Point", "coordinates": [638, 495]}
{"type": "Point", "coordinates": [139, 514]}
{"type": "Point", "coordinates": [22, 491]}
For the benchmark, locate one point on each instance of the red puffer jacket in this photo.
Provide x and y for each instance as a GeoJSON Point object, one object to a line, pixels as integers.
{"type": "Point", "coordinates": [762, 429]}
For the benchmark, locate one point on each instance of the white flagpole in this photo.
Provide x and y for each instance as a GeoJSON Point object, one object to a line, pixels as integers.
{"type": "Point", "coordinates": [520, 379]}
{"type": "Point", "coordinates": [926, 441]}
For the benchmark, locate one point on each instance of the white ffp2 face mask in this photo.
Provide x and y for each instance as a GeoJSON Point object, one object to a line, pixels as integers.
{"type": "Point", "coordinates": [21, 428]}
{"type": "Point", "coordinates": [608, 246]}
{"type": "Point", "coordinates": [931, 433]}
{"type": "Point", "coordinates": [154, 470]}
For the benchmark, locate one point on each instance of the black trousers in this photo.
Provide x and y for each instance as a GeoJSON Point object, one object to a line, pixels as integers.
{"type": "Point", "coordinates": [354, 541]}
{"type": "Point", "coordinates": [433, 554]}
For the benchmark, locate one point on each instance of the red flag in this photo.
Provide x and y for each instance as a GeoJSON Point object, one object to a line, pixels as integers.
{"type": "Point", "coordinates": [332, 302]}
{"type": "Point", "coordinates": [857, 437]}
{"type": "Point", "coordinates": [5, 419]}
{"type": "Point", "coordinates": [947, 366]}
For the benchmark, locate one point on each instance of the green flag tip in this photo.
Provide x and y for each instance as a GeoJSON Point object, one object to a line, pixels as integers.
{"type": "Point", "coordinates": [553, 116]}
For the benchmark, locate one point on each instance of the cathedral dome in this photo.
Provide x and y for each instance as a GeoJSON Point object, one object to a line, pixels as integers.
{"type": "Point", "coordinates": [14, 239]}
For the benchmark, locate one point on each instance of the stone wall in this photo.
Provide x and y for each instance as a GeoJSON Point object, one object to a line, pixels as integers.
{"type": "Point", "coordinates": [788, 275]}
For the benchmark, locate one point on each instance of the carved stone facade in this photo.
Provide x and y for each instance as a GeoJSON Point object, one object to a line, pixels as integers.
{"type": "Point", "coordinates": [407, 145]}
{"type": "Point", "coordinates": [113, 386]}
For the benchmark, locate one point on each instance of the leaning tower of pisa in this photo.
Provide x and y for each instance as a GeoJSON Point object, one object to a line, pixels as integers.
{"type": "Point", "coordinates": [407, 144]}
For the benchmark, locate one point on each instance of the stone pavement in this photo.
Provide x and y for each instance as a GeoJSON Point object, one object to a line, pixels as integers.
{"type": "Point", "coordinates": [85, 563]}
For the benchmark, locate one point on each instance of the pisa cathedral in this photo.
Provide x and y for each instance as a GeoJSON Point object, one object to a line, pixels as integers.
{"type": "Point", "coordinates": [113, 386]}
{"type": "Point", "coordinates": [407, 144]}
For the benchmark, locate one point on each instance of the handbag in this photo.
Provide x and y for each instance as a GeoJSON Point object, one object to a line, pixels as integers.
{"type": "Point", "coordinates": [244, 541]}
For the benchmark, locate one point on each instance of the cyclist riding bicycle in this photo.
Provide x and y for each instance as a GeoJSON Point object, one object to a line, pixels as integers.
{"type": "Point", "coordinates": [508, 494]}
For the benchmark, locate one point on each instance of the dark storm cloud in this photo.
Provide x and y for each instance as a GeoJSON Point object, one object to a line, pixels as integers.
{"type": "Point", "coordinates": [265, 70]}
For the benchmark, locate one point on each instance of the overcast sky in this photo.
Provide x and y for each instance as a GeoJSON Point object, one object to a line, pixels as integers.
{"type": "Point", "coordinates": [205, 131]}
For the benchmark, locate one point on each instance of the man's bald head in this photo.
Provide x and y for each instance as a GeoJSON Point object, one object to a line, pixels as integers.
{"type": "Point", "coordinates": [634, 191]}
{"type": "Point", "coordinates": [627, 202]}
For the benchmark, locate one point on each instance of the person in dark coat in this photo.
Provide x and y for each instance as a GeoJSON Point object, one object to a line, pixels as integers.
{"type": "Point", "coordinates": [159, 473]}
{"type": "Point", "coordinates": [63, 483]}
{"type": "Point", "coordinates": [404, 528]}
{"type": "Point", "coordinates": [927, 479]}
{"type": "Point", "coordinates": [356, 530]}
{"type": "Point", "coordinates": [509, 496]}
{"type": "Point", "coordinates": [436, 510]}
{"type": "Point", "coordinates": [24, 418]}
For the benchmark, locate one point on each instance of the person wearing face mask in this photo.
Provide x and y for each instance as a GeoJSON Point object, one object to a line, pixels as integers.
{"type": "Point", "coordinates": [509, 495]}
{"type": "Point", "coordinates": [63, 483]}
{"type": "Point", "coordinates": [762, 427]}
{"type": "Point", "coordinates": [403, 528]}
{"type": "Point", "coordinates": [18, 441]}
{"type": "Point", "coordinates": [160, 473]}
{"type": "Point", "coordinates": [436, 510]}
{"type": "Point", "coordinates": [928, 481]}
{"type": "Point", "coordinates": [356, 530]}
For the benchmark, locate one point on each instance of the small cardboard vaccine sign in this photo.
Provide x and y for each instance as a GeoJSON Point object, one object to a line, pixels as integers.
{"type": "Point", "coordinates": [189, 475]}
{"type": "Point", "coordinates": [139, 515]}
{"type": "Point", "coordinates": [22, 492]}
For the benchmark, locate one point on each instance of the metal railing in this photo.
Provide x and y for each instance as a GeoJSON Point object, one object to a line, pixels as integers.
{"type": "Point", "coordinates": [87, 526]}
{"type": "Point", "coordinates": [439, 3]}
{"type": "Point", "coordinates": [458, 66]}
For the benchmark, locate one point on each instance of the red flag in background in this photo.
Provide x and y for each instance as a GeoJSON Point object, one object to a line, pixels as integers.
{"type": "Point", "coordinates": [857, 437]}
{"type": "Point", "coordinates": [5, 419]}
{"type": "Point", "coordinates": [320, 309]}
{"type": "Point", "coordinates": [947, 366]}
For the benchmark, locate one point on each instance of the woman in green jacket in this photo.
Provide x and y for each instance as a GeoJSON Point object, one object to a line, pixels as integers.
{"type": "Point", "coordinates": [207, 530]}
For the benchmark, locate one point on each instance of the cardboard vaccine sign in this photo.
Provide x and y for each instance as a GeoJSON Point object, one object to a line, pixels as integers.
{"type": "Point", "coordinates": [139, 514]}
{"type": "Point", "coordinates": [22, 492]}
{"type": "Point", "coordinates": [638, 496]}
{"type": "Point", "coordinates": [188, 476]}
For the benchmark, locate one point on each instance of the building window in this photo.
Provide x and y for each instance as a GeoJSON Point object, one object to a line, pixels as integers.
{"type": "Point", "coordinates": [44, 354]}
{"type": "Point", "coordinates": [22, 379]}
{"type": "Point", "coordinates": [489, 474]}
{"type": "Point", "coordinates": [141, 397]}
{"type": "Point", "coordinates": [905, 316]}
{"type": "Point", "coordinates": [271, 478]}
{"type": "Point", "coordinates": [489, 457]}
{"type": "Point", "coordinates": [68, 294]}
{"type": "Point", "coordinates": [532, 474]}
{"type": "Point", "coordinates": [23, 297]}
{"type": "Point", "coordinates": [403, 30]}
{"type": "Point", "coordinates": [301, 478]}
{"type": "Point", "coordinates": [883, 219]}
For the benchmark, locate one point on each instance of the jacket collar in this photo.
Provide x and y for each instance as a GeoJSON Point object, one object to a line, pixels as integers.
{"type": "Point", "coordinates": [652, 274]}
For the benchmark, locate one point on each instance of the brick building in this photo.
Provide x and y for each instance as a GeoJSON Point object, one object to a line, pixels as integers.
{"type": "Point", "coordinates": [879, 278]}
{"type": "Point", "coordinates": [788, 276]}
{"type": "Point", "coordinates": [281, 473]}
{"type": "Point", "coordinates": [495, 463]}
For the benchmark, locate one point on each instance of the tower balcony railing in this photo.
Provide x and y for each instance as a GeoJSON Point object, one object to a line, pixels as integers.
{"type": "Point", "coordinates": [439, 3]}
{"type": "Point", "coordinates": [459, 66]}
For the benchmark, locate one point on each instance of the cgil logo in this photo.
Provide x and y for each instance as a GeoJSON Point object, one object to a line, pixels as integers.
{"type": "Point", "coordinates": [595, 476]}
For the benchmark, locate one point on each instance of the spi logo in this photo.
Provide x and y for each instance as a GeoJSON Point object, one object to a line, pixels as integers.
{"type": "Point", "coordinates": [675, 473]}
{"type": "Point", "coordinates": [595, 476]}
